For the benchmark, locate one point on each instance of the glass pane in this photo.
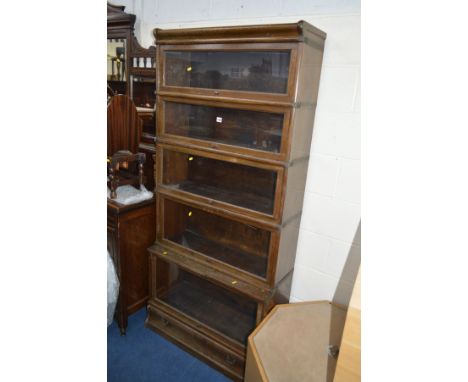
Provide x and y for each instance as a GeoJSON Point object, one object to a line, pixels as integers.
{"type": "Point", "coordinates": [217, 307]}
{"type": "Point", "coordinates": [116, 76]}
{"type": "Point", "coordinates": [245, 128]}
{"type": "Point", "coordinates": [142, 91]}
{"type": "Point", "coordinates": [217, 237]}
{"type": "Point", "coordinates": [240, 185]}
{"type": "Point", "coordinates": [149, 124]}
{"type": "Point", "coordinates": [258, 71]}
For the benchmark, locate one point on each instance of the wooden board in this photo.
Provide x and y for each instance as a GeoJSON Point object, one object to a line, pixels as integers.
{"type": "Point", "coordinates": [349, 360]}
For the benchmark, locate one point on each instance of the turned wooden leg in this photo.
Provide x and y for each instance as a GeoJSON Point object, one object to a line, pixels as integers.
{"type": "Point", "coordinates": [113, 183]}
{"type": "Point", "coordinates": [123, 328]}
{"type": "Point", "coordinates": [122, 318]}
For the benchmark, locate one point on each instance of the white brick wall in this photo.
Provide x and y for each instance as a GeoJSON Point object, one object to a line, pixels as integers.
{"type": "Point", "coordinates": [328, 253]}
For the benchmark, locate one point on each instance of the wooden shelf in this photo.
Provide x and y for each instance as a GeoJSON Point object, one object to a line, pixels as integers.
{"type": "Point", "coordinates": [246, 261]}
{"type": "Point", "coordinates": [239, 184]}
{"type": "Point", "coordinates": [142, 71]}
{"type": "Point", "coordinates": [243, 199]}
{"type": "Point", "coordinates": [212, 305]}
{"type": "Point", "coordinates": [184, 332]}
{"type": "Point", "coordinates": [252, 129]}
{"type": "Point", "coordinates": [206, 235]}
{"type": "Point", "coordinates": [143, 110]}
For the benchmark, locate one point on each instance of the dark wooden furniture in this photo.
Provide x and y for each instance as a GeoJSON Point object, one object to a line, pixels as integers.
{"type": "Point", "coordinates": [123, 125]}
{"type": "Point", "coordinates": [123, 135]}
{"type": "Point", "coordinates": [137, 78]}
{"type": "Point", "coordinates": [235, 110]}
{"type": "Point", "coordinates": [130, 228]}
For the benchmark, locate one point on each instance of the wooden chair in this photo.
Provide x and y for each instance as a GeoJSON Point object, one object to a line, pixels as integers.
{"type": "Point", "coordinates": [110, 94]}
{"type": "Point", "coordinates": [124, 162]}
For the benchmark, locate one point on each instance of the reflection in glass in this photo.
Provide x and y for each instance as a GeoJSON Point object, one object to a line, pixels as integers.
{"type": "Point", "coordinates": [245, 128]}
{"type": "Point", "coordinates": [149, 123]}
{"type": "Point", "coordinates": [217, 237]}
{"type": "Point", "coordinates": [116, 75]}
{"type": "Point", "coordinates": [214, 306]}
{"type": "Point", "coordinates": [244, 186]}
{"type": "Point", "coordinates": [258, 71]}
{"type": "Point", "coordinates": [142, 91]}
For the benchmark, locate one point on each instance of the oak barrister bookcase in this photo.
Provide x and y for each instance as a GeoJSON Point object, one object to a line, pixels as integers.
{"type": "Point", "coordinates": [235, 111]}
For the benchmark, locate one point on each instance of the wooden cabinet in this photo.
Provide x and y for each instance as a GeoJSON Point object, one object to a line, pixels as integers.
{"type": "Point", "coordinates": [240, 185]}
{"type": "Point", "coordinates": [233, 244]}
{"type": "Point", "coordinates": [235, 112]}
{"type": "Point", "coordinates": [248, 129]}
{"type": "Point", "coordinates": [231, 69]}
{"type": "Point", "coordinates": [130, 230]}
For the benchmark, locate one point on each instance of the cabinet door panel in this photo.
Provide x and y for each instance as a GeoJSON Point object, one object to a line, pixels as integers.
{"type": "Point", "coordinates": [254, 71]}
{"type": "Point", "coordinates": [236, 185]}
{"type": "Point", "coordinates": [142, 92]}
{"type": "Point", "coordinates": [233, 70]}
{"type": "Point", "coordinates": [217, 237]}
{"type": "Point", "coordinates": [251, 129]}
{"type": "Point", "coordinates": [220, 309]}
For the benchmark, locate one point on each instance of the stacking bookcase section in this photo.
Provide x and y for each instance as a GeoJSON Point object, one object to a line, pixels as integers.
{"type": "Point", "coordinates": [238, 129]}
{"type": "Point", "coordinates": [230, 70]}
{"type": "Point", "coordinates": [240, 185]}
{"type": "Point", "coordinates": [188, 308]}
{"type": "Point", "coordinates": [211, 236]}
{"type": "Point", "coordinates": [235, 112]}
{"type": "Point", "coordinates": [221, 310]}
{"type": "Point", "coordinates": [217, 237]}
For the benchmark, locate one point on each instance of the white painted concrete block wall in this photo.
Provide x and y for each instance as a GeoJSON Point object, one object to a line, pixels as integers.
{"type": "Point", "coordinates": [331, 213]}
